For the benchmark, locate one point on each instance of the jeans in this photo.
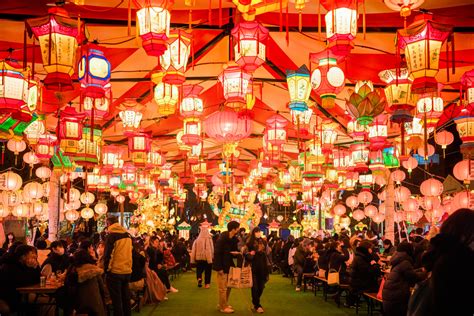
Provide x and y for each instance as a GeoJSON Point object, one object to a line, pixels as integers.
{"type": "Point", "coordinates": [119, 293]}
{"type": "Point", "coordinates": [299, 269]}
{"type": "Point", "coordinates": [222, 289]}
{"type": "Point", "coordinates": [203, 266]}
{"type": "Point", "coordinates": [164, 277]}
{"type": "Point", "coordinates": [257, 290]}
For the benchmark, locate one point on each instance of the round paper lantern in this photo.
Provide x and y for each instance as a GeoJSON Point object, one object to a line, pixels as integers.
{"type": "Point", "coordinates": [30, 158]}
{"type": "Point", "coordinates": [421, 151]}
{"type": "Point", "coordinates": [10, 181]}
{"type": "Point", "coordinates": [370, 211]}
{"type": "Point", "coordinates": [4, 211]}
{"type": "Point", "coordinates": [16, 146]}
{"type": "Point", "coordinates": [352, 201]}
{"type": "Point", "coordinates": [462, 171]}
{"type": "Point", "coordinates": [398, 176]}
{"type": "Point", "coordinates": [72, 215]}
{"type": "Point", "coordinates": [11, 198]}
{"type": "Point", "coordinates": [404, 6]}
{"type": "Point", "coordinates": [380, 180]}
{"type": "Point", "coordinates": [250, 39]}
{"type": "Point", "coordinates": [339, 209]}
{"type": "Point", "coordinates": [153, 22]}
{"type": "Point", "coordinates": [410, 205]}
{"type": "Point", "coordinates": [37, 208]}
{"type": "Point", "coordinates": [74, 195]}
{"type": "Point", "coordinates": [410, 164]}
{"type": "Point", "coordinates": [429, 203]}
{"type": "Point", "coordinates": [401, 194]}
{"type": "Point", "coordinates": [364, 197]}
{"type": "Point", "coordinates": [463, 199]}
{"type": "Point", "coordinates": [431, 187]}
{"type": "Point", "coordinates": [382, 196]}
{"type": "Point", "coordinates": [227, 127]}
{"type": "Point", "coordinates": [413, 217]}
{"type": "Point", "coordinates": [120, 198]}
{"type": "Point", "coordinates": [21, 210]}
{"type": "Point", "coordinates": [101, 208]}
{"type": "Point", "coordinates": [33, 190]}
{"type": "Point", "coordinates": [358, 215]}
{"type": "Point", "coordinates": [43, 173]}
{"type": "Point", "coordinates": [444, 138]}
{"type": "Point", "coordinates": [87, 213]}
{"type": "Point", "coordinates": [87, 198]}
{"type": "Point", "coordinates": [378, 218]}
{"type": "Point", "coordinates": [398, 217]}
{"type": "Point", "coordinates": [382, 208]}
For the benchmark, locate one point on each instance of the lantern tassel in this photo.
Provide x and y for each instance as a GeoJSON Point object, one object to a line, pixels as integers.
{"type": "Point", "coordinates": [300, 21]}
{"type": "Point", "coordinates": [25, 56]}
{"type": "Point", "coordinates": [220, 13]}
{"type": "Point", "coordinates": [129, 16]}
{"type": "Point", "coordinates": [287, 28]}
{"type": "Point", "coordinates": [281, 15]}
{"type": "Point", "coordinates": [363, 19]}
{"type": "Point", "coordinates": [319, 19]}
{"type": "Point", "coordinates": [210, 12]}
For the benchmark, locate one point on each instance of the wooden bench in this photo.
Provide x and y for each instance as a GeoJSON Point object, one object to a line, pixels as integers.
{"type": "Point", "coordinates": [306, 277]}
{"type": "Point", "coordinates": [372, 302]}
{"type": "Point", "coordinates": [318, 283]}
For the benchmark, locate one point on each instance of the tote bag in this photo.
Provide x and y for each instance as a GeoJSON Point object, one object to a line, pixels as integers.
{"type": "Point", "coordinates": [333, 277]}
{"type": "Point", "coordinates": [240, 278]}
{"type": "Point", "coordinates": [322, 273]}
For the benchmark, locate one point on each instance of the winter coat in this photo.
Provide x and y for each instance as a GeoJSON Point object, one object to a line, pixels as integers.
{"type": "Point", "coordinates": [337, 261]}
{"type": "Point", "coordinates": [118, 250]}
{"type": "Point", "coordinates": [86, 289]}
{"type": "Point", "coordinates": [402, 276]}
{"type": "Point", "coordinates": [203, 247]}
{"type": "Point", "coordinates": [57, 262]}
{"type": "Point", "coordinates": [323, 260]}
{"type": "Point", "coordinates": [389, 251]}
{"type": "Point", "coordinates": [138, 266]}
{"type": "Point", "coordinates": [260, 261]}
{"type": "Point", "coordinates": [155, 257]}
{"type": "Point", "coordinates": [222, 256]}
{"type": "Point", "coordinates": [300, 256]}
{"type": "Point", "coordinates": [364, 275]}
{"type": "Point", "coordinates": [14, 274]}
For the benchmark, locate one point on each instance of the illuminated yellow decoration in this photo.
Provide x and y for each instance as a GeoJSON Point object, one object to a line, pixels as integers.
{"type": "Point", "coordinates": [130, 115]}
{"type": "Point", "coordinates": [166, 96]}
{"type": "Point", "coordinates": [250, 9]}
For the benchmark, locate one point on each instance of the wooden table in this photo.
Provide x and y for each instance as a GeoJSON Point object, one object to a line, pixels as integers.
{"type": "Point", "coordinates": [48, 290]}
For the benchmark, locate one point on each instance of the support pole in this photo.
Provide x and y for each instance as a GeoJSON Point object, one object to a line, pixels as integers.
{"type": "Point", "coordinates": [390, 209]}
{"type": "Point", "coordinates": [54, 206]}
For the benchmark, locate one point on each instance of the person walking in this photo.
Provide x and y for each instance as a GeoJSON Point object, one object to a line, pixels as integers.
{"type": "Point", "coordinates": [118, 266]}
{"type": "Point", "coordinates": [256, 252]}
{"type": "Point", "coordinates": [225, 249]}
{"type": "Point", "coordinates": [201, 254]}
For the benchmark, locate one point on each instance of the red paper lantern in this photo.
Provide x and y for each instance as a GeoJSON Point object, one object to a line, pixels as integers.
{"type": "Point", "coordinates": [45, 146]}
{"type": "Point", "coordinates": [235, 83]}
{"type": "Point", "coordinates": [250, 45]}
{"type": "Point", "coordinates": [192, 131]}
{"type": "Point", "coordinates": [276, 130]}
{"type": "Point", "coordinates": [111, 158]}
{"type": "Point", "coordinates": [341, 24]}
{"type": "Point", "coordinates": [129, 173]}
{"type": "Point", "coordinates": [328, 79]}
{"type": "Point", "coordinates": [175, 59]}
{"type": "Point", "coordinates": [57, 35]}
{"type": "Point", "coordinates": [378, 133]}
{"type": "Point", "coordinates": [227, 127]}
{"type": "Point", "coordinates": [431, 187]}
{"type": "Point", "coordinates": [70, 124]}
{"type": "Point", "coordinates": [153, 19]}
{"type": "Point", "coordinates": [422, 42]}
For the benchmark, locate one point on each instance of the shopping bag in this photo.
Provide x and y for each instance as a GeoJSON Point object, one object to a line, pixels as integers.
{"type": "Point", "coordinates": [333, 277]}
{"type": "Point", "coordinates": [240, 278]}
{"type": "Point", "coordinates": [322, 273]}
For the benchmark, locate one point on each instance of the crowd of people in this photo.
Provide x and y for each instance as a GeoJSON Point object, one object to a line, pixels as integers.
{"type": "Point", "coordinates": [423, 273]}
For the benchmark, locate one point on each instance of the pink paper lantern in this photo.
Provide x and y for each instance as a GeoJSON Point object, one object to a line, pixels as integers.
{"type": "Point", "coordinates": [358, 215]}
{"type": "Point", "coordinates": [402, 194]}
{"type": "Point", "coordinates": [463, 171]}
{"type": "Point", "coordinates": [227, 127]}
{"type": "Point", "coordinates": [398, 176]}
{"type": "Point", "coordinates": [370, 210]}
{"type": "Point", "coordinates": [339, 209]}
{"type": "Point", "coordinates": [352, 201]}
{"type": "Point", "coordinates": [365, 197]}
{"type": "Point", "coordinates": [431, 187]}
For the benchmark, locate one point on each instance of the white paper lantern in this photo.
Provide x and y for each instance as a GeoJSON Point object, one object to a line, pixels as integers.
{"type": "Point", "coordinates": [11, 198]}
{"type": "Point", "coordinates": [17, 146]}
{"type": "Point", "coordinates": [4, 210]}
{"type": "Point", "coordinates": [21, 210]}
{"type": "Point", "coordinates": [87, 213]}
{"type": "Point", "coordinates": [10, 181]}
{"type": "Point", "coordinates": [87, 198]}
{"type": "Point", "coordinates": [72, 215]}
{"type": "Point", "coordinates": [33, 191]}
{"type": "Point", "coordinates": [43, 173]}
{"type": "Point", "coordinates": [358, 215]}
{"type": "Point", "coordinates": [101, 208]}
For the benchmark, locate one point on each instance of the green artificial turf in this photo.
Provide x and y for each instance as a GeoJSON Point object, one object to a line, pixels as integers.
{"type": "Point", "coordinates": [279, 298]}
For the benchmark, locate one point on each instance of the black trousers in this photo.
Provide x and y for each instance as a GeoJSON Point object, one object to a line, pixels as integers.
{"type": "Point", "coordinates": [395, 308]}
{"type": "Point", "coordinates": [164, 277]}
{"type": "Point", "coordinates": [119, 293]}
{"type": "Point", "coordinates": [257, 289]}
{"type": "Point", "coordinates": [203, 266]}
{"type": "Point", "coordinates": [299, 269]}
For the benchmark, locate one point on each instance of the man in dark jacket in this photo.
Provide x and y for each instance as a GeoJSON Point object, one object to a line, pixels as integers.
{"type": "Point", "coordinates": [302, 252]}
{"type": "Point", "coordinates": [396, 290]}
{"type": "Point", "coordinates": [57, 258]}
{"type": "Point", "coordinates": [224, 251]}
{"type": "Point", "coordinates": [118, 266]}
{"type": "Point", "coordinates": [284, 256]}
{"type": "Point", "coordinates": [22, 269]}
{"type": "Point", "coordinates": [364, 271]}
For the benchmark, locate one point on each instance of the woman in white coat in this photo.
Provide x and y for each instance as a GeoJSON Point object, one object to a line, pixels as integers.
{"type": "Point", "coordinates": [202, 254]}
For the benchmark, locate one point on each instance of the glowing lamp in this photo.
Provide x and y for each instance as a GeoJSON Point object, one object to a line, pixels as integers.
{"type": "Point", "coordinates": [35, 130]}
{"type": "Point", "coordinates": [328, 136]}
{"type": "Point", "coordinates": [191, 105]}
{"type": "Point", "coordinates": [235, 83]}
{"type": "Point", "coordinates": [422, 42]}
{"type": "Point", "coordinates": [57, 35]}
{"type": "Point", "coordinates": [365, 102]}
{"type": "Point", "coordinates": [299, 88]}
{"type": "Point", "coordinates": [464, 171]}
{"type": "Point", "coordinates": [153, 18]}
{"type": "Point", "coordinates": [465, 128]}
{"type": "Point", "coordinates": [276, 130]}
{"type": "Point", "coordinates": [101, 208]}
{"type": "Point", "coordinates": [129, 174]}
{"type": "Point", "coordinates": [93, 72]}
{"type": "Point", "coordinates": [398, 94]}
{"type": "Point", "coordinates": [429, 109]}
{"type": "Point", "coordinates": [70, 124]}
{"type": "Point", "coordinates": [398, 176]}
{"type": "Point", "coordinates": [131, 116]}
{"type": "Point", "coordinates": [365, 197]}
{"type": "Point", "coordinates": [13, 90]}
{"type": "Point", "coordinates": [341, 24]}
{"type": "Point", "coordinates": [166, 96]}
{"type": "Point", "coordinates": [192, 131]}
{"type": "Point", "coordinates": [250, 44]}
{"type": "Point", "coordinates": [227, 127]}
{"type": "Point", "coordinates": [378, 133]}
{"type": "Point", "coordinates": [360, 156]}
{"type": "Point", "coordinates": [410, 164]}
{"type": "Point", "coordinates": [328, 79]}
{"type": "Point", "coordinates": [366, 180]}
{"type": "Point", "coordinates": [43, 173]}
{"type": "Point", "coordinates": [302, 119]}
{"type": "Point", "coordinates": [404, 6]}
{"type": "Point", "coordinates": [72, 215]}
{"type": "Point", "coordinates": [444, 139]}
{"type": "Point", "coordinates": [46, 146]}
{"type": "Point", "coordinates": [175, 59]}
{"type": "Point", "coordinates": [431, 187]}
{"type": "Point", "coordinates": [358, 215]}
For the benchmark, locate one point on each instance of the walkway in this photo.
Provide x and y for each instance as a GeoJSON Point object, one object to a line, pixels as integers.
{"type": "Point", "coordinates": [279, 298]}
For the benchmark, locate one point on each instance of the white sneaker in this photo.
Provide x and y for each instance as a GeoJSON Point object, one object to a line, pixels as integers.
{"type": "Point", "coordinates": [227, 310]}
{"type": "Point", "coordinates": [259, 310]}
{"type": "Point", "coordinates": [165, 298]}
{"type": "Point", "coordinates": [298, 289]}
{"type": "Point", "coordinates": [173, 290]}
